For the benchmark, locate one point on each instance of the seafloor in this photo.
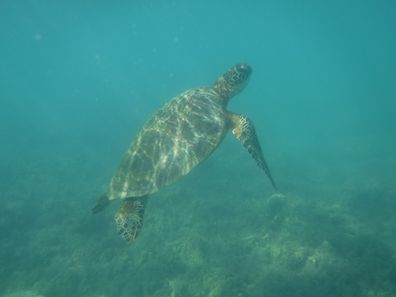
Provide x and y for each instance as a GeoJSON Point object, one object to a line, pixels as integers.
{"type": "Point", "coordinates": [221, 231]}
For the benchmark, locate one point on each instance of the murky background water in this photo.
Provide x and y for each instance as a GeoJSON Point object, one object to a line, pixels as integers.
{"type": "Point", "coordinates": [79, 78]}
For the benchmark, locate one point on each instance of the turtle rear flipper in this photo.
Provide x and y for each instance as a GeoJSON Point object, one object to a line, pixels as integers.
{"type": "Point", "coordinates": [129, 217]}
{"type": "Point", "coordinates": [243, 129]}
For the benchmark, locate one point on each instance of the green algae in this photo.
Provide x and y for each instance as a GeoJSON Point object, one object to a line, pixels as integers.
{"type": "Point", "coordinates": [196, 242]}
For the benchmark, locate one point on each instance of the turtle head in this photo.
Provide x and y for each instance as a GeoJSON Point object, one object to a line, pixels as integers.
{"type": "Point", "coordinates": [233, 81]}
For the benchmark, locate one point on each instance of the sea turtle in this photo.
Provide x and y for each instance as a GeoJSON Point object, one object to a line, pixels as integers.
{"type": "Point", "coordinates": [183, 133]}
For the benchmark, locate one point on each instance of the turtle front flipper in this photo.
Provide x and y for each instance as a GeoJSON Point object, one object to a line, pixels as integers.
{"type": "Point", "coordinates": [243, 129]}
{"type": "Point", "coordinates": [129, 217]}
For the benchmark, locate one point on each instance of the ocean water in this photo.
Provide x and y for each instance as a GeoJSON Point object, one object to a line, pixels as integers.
{"type": "Point", "coordinates": [79, 78]}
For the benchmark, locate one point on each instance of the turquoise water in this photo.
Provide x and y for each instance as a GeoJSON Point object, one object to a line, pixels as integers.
{"type": "Point", "coordinates": [79, 78]}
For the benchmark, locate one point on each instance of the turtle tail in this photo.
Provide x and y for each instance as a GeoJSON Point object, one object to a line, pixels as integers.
{"type": "Point", "coordinates": [129, 217]}
{"type": "Point", "coordinates": [101, 204]}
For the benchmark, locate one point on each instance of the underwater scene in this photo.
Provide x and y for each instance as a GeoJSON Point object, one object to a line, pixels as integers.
{"type": "Point", "coordinates": [80, 79]}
